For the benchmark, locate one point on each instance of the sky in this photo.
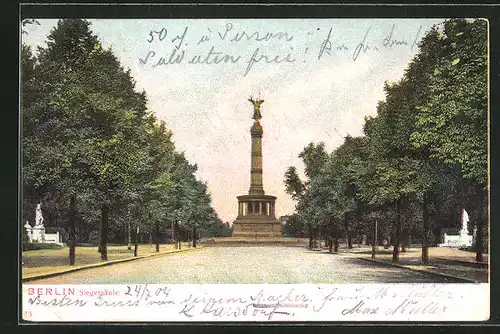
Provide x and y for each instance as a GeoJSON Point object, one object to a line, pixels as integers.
{"type": "Point", "coordinates": [319, 78]}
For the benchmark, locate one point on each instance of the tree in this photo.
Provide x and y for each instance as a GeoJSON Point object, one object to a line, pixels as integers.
{"type": "Point", "coordinates": [81, 134]}
{"type": "Point", "coordinates": [293, 184]}
{"type": "Point", "coordinates": [91, 145]}
{"type": "Point", "coordinates": [314, 157]}
{"type": "Point", "coordinates": [343, 182]}
{"type": "Point", "coordinates": [389, 179]}
{"type": "Point", "coordinates": [452, 123]}
{"type": "Point", "coordinates": [158, 207]}
{"type": "Point", "coordinates": [426, 150]}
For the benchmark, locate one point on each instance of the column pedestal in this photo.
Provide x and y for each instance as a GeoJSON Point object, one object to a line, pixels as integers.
{"type": "Point", "coordinates": [257, 220]}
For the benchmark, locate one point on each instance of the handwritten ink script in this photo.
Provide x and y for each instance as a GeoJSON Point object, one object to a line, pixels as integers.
{"type": "Point", "coordinates": [349, 302]}
{"type": "Point", "coordinates": [170, 46]}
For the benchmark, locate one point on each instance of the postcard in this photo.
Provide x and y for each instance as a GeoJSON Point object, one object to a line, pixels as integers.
{"type": "Point", "coordinates": [263, 170]}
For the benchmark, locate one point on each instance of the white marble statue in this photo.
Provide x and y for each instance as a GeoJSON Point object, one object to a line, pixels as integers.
{"type": "Point", "coordinates": [38, 216]}
{"type": "Point", "coordinates": [461, 240]}
{"type": "Point", "coordinates": [465, 220]}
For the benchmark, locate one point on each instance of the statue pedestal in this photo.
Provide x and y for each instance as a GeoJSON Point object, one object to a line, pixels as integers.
{"type": "Point", "coordinates": [29, 231]}
{"type": "Point", "coordinates": [461, 240]}
{"type": "Point", "coordinates": [256, 217]}
{"type": "Point", "coordinates": [38, 234]}
{"type": "Point", "coordinates": [257, 228]}
{"type": "Point", "coordinates": [465, 238]}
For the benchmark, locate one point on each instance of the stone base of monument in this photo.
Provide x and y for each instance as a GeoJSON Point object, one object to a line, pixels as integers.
{"type": "Point", "coordinates": [254, 241]}
{"type": "Point", "coordinates": [256, 226]}
{"type": "Point", "coordinates": [257, 235]}
{"type": "Point", "coordinates": [37, 234]}
{"type": "Point", "coordinates": [453, 240]}
{"type": "Point", "coordinates": [258, 230]}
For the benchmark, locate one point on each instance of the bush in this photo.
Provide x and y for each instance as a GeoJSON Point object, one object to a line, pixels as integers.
{"type": "Point", "coordinates": [37, 246]}
{"type": "Point", "coordinates": [25, 239]}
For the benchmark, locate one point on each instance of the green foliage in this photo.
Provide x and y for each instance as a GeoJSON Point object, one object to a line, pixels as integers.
{"type": "Point", "coordinates": [306, 193]}
{"type": "Point", "coordinates": [24, 237]}
{"type": "Point", "coordinates": [293, 185]}
{"type": "Point", "coordinates": [452, 122]}
{"type": "Point", "coordinates": [314, 157]}
{"type": "Point", "coordinates": [294, 227]}
{"type": "Point", "coordinates": [216, 228]}
{"type": "Point", "coordinates": [37, 246]}
{"type": "Point", "coordinates": [88, 133]}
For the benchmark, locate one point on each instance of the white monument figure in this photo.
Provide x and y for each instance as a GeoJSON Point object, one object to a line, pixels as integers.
{"type": "Point", "coordinates": [465, 220]}
{"type": "Point", "coordinates": [29, 231]}
{"type": "Point", "coordinates": [461, 240]}
{"type": "Point", "coordinates": [38, 216]}
{"type": "Point", "coordinates": [465, 238]}
{"type": "Point", "coordinates": [38, 229]}
{"type": "Point", "coordinates": [37, 232]}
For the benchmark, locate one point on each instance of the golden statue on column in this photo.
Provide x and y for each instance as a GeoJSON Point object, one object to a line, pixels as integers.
{"type": "Point", "coordinates": [256, 108]}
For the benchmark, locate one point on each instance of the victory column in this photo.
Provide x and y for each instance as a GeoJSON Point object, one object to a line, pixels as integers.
{"type": "Point", "coordinates": [256, 211]}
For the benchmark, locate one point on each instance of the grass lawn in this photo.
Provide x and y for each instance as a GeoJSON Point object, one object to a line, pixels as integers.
{"type": "Point", "coordinates": [48, 260]}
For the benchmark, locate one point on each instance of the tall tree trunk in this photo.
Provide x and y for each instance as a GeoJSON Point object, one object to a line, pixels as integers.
{"type": "Point", "coordinates": [157, 237]}
{"type": "Point", "coordinates": [404, 241]}
{"type": "Point", "coordinates": [174, 235]}
{"type": "Point", "coordinates": [314, 237]}
{"type": "Point", "coordinates": [330, 241]}
{"type": "Point", "coordinates": [479, 224]}
{"type": "Point", "coordinates": [178, 236]}
{"type": "Point", "coordinates": [425, 230]}
{"type": "Point", "coordinates": [136, 241]}
{"type": "Point", "coordinates": [336, 241]}
{"type": "Point", "coordinates": [397, 234]}
{"type": "Point", "coordinates": [402, 233]}
{"type": "Point", "coordinates": [310, 231]}
{"type": "Point", "coordinates": [99, 250]}
{"type": "Point", "coordinates": [375, 238]}
{"type": "Point", "coordinates": [320, 237]}
{"type": "Point", "coordinates": [194, 236]}
{"type": "Point", "coordinates": [72, 234]}
{"type": "Point", "coordinates": [359, 231]}
{"type": "Point", "coordinates": [104, 232]}
{"type": "Point", "coordinates": [347, 234]}
{"type": "Point", "coordinates": [179, 241]}
{"type": "Point", "coordinates": [129, 237]}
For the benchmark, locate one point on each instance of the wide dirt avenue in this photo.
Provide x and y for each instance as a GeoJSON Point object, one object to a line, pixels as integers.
{"type": "Point", "coordinates": [246, 265]}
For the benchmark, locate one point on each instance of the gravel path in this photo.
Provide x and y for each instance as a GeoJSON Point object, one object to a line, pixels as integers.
{"type": "Point", "coordinates": [259, 265]}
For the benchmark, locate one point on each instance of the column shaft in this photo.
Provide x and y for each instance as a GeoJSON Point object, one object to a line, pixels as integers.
{"type": "Point", "coordinates": [256, 184]}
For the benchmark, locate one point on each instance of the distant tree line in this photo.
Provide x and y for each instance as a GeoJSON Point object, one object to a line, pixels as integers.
{"type": "Point", "coordinates": [97, 159]}
{"type": "Point", "coordinates": [421, 160]}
